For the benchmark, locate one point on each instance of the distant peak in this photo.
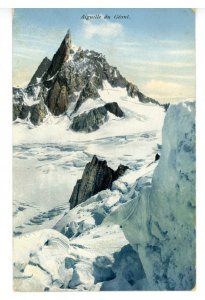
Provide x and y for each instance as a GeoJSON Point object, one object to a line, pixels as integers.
{"type": "Point", "coordinates": [68, 39]}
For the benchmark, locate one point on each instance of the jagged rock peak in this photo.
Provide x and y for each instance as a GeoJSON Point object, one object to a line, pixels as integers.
{"type": "Point", "coordinates": [97, 176]}
{"type": "Point", "coordinates": [41, 70]}
{"type": "Point", "coordinates": [68, 40]}
{"type": "Point", "coordinates": [60, 56]}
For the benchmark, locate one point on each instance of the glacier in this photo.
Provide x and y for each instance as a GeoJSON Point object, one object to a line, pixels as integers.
{"type": "Point", "coordinates": [140, 235]}
{"type": "Point", "coordinates": [137, 235]}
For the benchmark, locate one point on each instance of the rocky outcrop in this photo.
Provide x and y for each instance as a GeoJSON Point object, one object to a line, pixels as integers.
{"type": "Point", "coordinates": [16, 110]}
{"type": "Point", "coordinates": [20, 111]}
{"type": "Point", "coordinates": [60, 56]}
{"type": "Point", "coordinates": [97, 176]}
{"type": "Point", "coordinates": [92, 120]}
{"type": "Point", "coordinates": [57, 99]}
{"type": "Point", "coordinates": [24, 112]}
{"type": "Point", "coordinates": [17, 94]}
{"type": "Point", "coordinates": [41, 70]}
{"type": "Point", "coordinates": [35, 113]}
{"type": "Point", "coordinates": [89, 91]}
{"type": "Point", "coordinates": [114, 108]}
{"type": "Point", "coordinates": [72, 77]}
{"type": "Point", "coordinates": [145, 99]}
{"type": "Point", "coordinates": [120, 171]}
{"type": "Point", "coordinates": [132, 89]}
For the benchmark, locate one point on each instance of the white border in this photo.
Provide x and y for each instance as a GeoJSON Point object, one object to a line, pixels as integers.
{"type": "Point", "coordinates": [102, 4]}
{"type": "Point", "coordinates": [6, 146]}
{"type": "Point", "coordinates": [5, 150]}
{"type": "Point", "coordinates": [200, 143]}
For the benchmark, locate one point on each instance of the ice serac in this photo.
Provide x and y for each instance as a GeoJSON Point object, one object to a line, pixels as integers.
{"type": "Point", "coordinates": [161, 223]}
{"type": "Point", "coordinates": [92, 120]}
{"type": "Point", "coordinates": [41, 70]}
{"type": "Point", "coordinates": [97, 176]}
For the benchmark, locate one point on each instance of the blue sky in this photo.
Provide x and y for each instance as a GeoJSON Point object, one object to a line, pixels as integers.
{"type": "Point", "coordinates": [153, 48]}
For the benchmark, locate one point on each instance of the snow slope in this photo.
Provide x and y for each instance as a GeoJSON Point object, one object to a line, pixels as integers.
{"type": "Point", "coordinates": [48, 159]}
{"type": "Point", "coordinates": [156, 213]}
{"type": "Point", "coordinates": [139, 118]}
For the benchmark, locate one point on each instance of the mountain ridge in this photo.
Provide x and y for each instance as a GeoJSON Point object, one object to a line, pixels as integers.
{"type": "Point", "coordinates": [71, 78]}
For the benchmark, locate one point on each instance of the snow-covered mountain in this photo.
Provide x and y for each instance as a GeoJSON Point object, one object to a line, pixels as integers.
{"type": "Point", "coordinates": [91, 212]}
{"type": "Point", "coordinates": [72, 79]}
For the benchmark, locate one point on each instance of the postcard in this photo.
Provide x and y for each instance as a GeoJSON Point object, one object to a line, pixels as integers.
{"type": "Point", "coordinates": [104, 159]}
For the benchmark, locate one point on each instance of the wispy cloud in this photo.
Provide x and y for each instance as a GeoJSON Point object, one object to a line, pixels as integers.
{"type": "Point", "coordinates": [181, 52]}
{"type": "Point", "coordinates": [104, 29]}
{"type": "Point", "coordinates": [132, 44]}
{"type": "Point", "coordinates": [167, 41]}
{"type": "Point", "coordinates": [160, 89]}
{"type": "Point", "coordinates": [169, 76]}
{"type": "Point", "coordinates": [28, 49]}
{"type": "Point", "coordinates": [21, 55]}
{"type": "Point", "coordinates": [160, 64]}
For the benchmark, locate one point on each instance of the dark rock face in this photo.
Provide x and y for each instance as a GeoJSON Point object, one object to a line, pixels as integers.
{"type": "Point", "coordinates": [120, 171]}
{"type": "Point", "coordinates": [18, 94]}
{"type": "Point", "coordinates": [145, 99]}
{"type": "Point", "coordinates": [20, 111]}
{"type": "Point", "coordinates": [97, 176]}
{"type": "Point", "coordinates": [60, 56]}
{"type": "Point", "coordinates": [42, 69]}
{"type": "Point", "coordinates": [114, 108]}
{"type": "Point", "coordinates": [71, 78]}
{"type": "Point", "coordinates": [16, 110]}
{"type": "Point", "coordinates": [132, 90]}
{"type": "Point", "coordinates": [89, 91]}
{"type": "Point", "coordinates": [24, 112]}
{"type": "Point", "coordinates": [37, 112]}
{"type": "Point", "coordinates": [92, 120]}
{"type": "Point", "coordinates": [57, 100]}
{"type": "Point", "coordinates": [84, 73]}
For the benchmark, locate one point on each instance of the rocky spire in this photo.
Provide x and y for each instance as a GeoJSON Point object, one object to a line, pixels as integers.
{"type": "Point", "coordinates": [60, 56]}
{"type": "Point", "coordinates": [97, 176]}
{"type": "Point", "coordinates": [42, 69]}
{"type": "Point", "coordinates": [68, 41]}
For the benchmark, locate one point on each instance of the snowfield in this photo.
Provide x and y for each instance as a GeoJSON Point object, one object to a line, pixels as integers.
{"type": "Point", "coordinates": [48, 159]}
{"type": "Point", "coordinates": [139, 118]}
{"type": "Point", "coordinates": [113, 240]}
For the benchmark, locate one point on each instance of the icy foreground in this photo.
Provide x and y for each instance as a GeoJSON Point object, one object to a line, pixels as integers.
{"type": "Point", "coordinates": [160, 222]}
{"type": "Point", "coordinates": [85, 251]}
